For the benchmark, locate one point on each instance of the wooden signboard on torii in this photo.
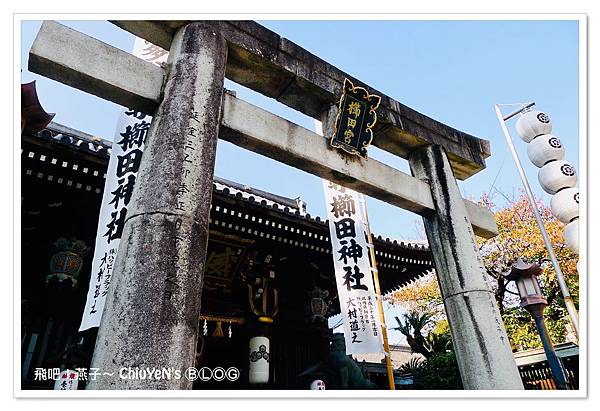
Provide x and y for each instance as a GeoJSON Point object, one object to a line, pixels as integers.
{"type": "Point", "coordinates": [187, 99]}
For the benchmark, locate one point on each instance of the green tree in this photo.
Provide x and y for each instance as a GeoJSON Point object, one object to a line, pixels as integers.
{"type": "Point", "coordinates": [421, 295]}
{"type": "Point", "coordinates": [519, 236]}
{"type": "Point", "coordinates": [439, 369]}
{"type": "Point", "coordinates": [439, 343]}
{"type": "Point", "coordinates": [439, 372]}
{"type": "Point", "coordinates": [412, 328]}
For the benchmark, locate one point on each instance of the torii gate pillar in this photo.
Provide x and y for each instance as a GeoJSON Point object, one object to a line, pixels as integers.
{"type": "Point", "coordinates": [482, 348]}
{"type": "Point", "coordinates": [152, 312]}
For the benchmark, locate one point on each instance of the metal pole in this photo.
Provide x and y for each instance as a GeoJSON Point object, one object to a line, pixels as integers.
{"type": "Point", "coordinates": [573, 315]}
{"type": "Point", "coordinates": [519, 111]}
{"type": "Point", "coordinates": [386, 346]}
{"type": "Point", "coordinates": [556, 366]}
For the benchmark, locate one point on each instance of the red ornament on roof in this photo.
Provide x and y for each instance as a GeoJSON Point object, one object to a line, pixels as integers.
{"type": "Point", "coordinates": [33, 116]}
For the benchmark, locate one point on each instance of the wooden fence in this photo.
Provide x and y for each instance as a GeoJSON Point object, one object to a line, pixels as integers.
{"type": "Point", "coordinates": [539, 377]}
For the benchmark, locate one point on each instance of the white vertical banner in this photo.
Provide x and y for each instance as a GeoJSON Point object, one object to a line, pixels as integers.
{"type": "Point", "coordinates": [354, 279]}
{"type": "Point", "coordinates": [127, 148]}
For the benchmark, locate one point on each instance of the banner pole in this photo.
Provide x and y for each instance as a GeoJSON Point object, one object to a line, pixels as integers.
{"type": "Point", "coordinates": [386, 345]}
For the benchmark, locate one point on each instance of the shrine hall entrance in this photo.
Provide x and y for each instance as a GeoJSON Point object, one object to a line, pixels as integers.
{"type": "Point", "coordinates": [268, 259]}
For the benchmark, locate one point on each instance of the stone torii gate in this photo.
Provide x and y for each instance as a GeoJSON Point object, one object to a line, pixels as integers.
{"type": "Point", "coordinates": [151, 316]}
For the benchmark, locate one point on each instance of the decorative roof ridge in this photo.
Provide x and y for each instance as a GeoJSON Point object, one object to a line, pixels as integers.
{"type": "Point", "coordinates": [295, 203]}
{"type": "Point", "coordinates": [76, 139]}
{"type": "Point", "coordinates": [82, 135]}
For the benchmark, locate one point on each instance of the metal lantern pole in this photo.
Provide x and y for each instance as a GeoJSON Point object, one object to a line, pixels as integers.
{"type": "Point", "coordinates": [532, 299]}
{"type": "Point", "coordinates": [556, 367]}
{"type": "Point", "coordinates": [570, 305]}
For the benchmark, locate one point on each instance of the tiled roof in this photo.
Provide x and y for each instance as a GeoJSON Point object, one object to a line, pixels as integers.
{"type": "Point", "coordinates": [76, 139]}
{"type": "Point", "coordinates": [101, 148]}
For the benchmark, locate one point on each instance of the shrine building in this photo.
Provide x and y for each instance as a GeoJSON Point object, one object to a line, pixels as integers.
{"type": "Point", "coordinates": [253, 234]}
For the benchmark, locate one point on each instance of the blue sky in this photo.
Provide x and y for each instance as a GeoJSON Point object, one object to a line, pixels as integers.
{"type": "Point", "coordinates": [453, 71]}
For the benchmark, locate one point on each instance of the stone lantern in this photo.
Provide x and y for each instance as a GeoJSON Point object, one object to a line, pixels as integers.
{"type": "Point", "coordinates": [525, 277]}
{"type": "Point", "coordinates": [532, 299]}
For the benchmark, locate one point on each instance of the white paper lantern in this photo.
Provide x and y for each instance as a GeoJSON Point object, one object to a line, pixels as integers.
{"type": "Point", "coordinates": [259, 360]}
{"type": "Point", "coordinates": [557, 175]}
{"type": "Point", "coordinates": [317, 385]}
{"type": "Point", "coordinates": [565, 204]}
{"type": "Point", "coordinates": [571, 235]}
{"type": "Point", "coordinates": [544, 149]}
{"type": "Point", "coordinates": [532, 124]}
